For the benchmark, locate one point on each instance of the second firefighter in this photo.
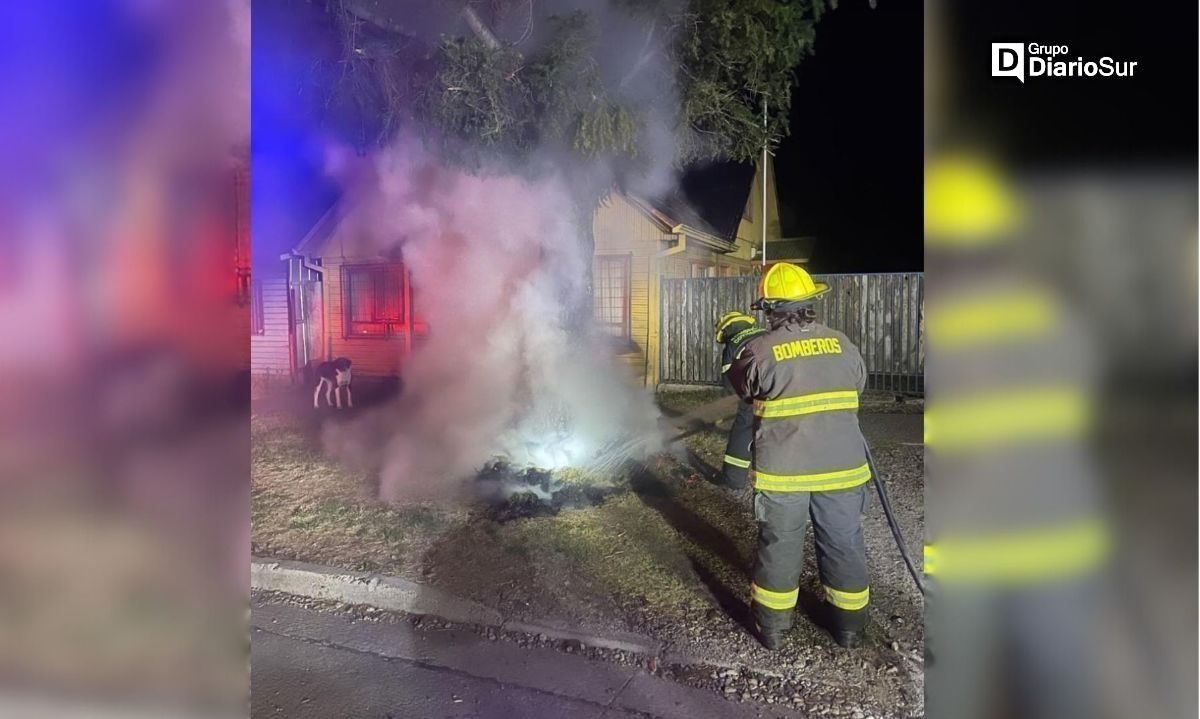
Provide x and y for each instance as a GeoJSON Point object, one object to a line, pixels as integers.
{"type": "Point", "coordinates": [733, 330]}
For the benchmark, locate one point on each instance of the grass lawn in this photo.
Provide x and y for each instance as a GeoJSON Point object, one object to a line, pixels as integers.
{"type": "Point", "coordinates": [642, 547]}
{"type": "Point", "coordinates": [304, 506]}
{"type": "Point", "coordinates": [675, 402]}
{"type": "Point", "coordinates": [645, 545]}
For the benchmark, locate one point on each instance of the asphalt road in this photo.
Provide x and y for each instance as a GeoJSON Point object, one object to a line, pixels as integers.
{"type": "Point", "coordinates": [308, 663]}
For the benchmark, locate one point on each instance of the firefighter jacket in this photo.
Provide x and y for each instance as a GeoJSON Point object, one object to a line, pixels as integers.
{"type": "Point", "coordinates": [1012, 492]}
{"type": "Point", "coordinates": [805, 381]}
{"type": "Point", "coordinates": [734, 345]}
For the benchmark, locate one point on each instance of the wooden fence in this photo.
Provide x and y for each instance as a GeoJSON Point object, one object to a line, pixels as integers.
{"type": "Point", "coordinates": [881, 313]}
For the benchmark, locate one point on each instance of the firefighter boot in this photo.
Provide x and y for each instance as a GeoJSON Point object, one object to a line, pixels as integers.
{"type": "Point", "coordinates": [847, 628]}
{"type": "Point", "coordinates": [771, 639]}
{"type": "Point", "coordinates": [848, 638]}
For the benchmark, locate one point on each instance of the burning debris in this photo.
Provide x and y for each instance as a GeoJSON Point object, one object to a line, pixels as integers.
{"type": "Point", "coordinates": [546, 466]}
{"type": "Point", "coordinates": [545, 469]}
{"type": "Point", "coordinates": [499, 482]}
{"type": "Point", "coordinates": [517, 493]}
{"type": "Point", "coordinates": [556, 444]}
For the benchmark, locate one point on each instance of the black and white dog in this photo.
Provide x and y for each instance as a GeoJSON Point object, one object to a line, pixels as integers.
{"type": "Point", "coordinates": [333, 376]}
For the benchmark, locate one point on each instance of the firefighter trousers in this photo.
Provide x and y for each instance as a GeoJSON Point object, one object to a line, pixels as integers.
{"type": "Point", "coordinates": [736, 467]}
{"type": "Point", "coordinates": [841, 555]}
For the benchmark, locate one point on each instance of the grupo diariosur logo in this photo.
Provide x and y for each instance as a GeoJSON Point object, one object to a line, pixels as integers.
{"type": "Point", "coordinates": [1027, 60]}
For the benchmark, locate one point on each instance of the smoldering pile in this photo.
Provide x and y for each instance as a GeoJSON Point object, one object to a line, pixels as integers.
{"type": "Point", "coordinates": [518, 486]}
{"type": "Point", "coordinates": [513, 492]}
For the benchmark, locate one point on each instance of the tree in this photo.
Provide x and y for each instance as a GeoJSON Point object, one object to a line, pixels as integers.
{"type": "Point", "coordinates": [594, 89]}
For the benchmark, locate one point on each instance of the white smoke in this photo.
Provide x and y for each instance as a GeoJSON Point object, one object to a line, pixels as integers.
{"type": "Point", "coordinates": [497, 264]}
{"type": "Point", "coordinates": [495, 261]}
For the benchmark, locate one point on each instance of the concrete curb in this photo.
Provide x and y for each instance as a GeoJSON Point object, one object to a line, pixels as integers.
{"type": "Point", "coordinates": [316, 581]}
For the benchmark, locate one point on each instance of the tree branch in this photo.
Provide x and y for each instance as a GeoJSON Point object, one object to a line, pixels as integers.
{"type": "Point", "coordinates": [481, 31]}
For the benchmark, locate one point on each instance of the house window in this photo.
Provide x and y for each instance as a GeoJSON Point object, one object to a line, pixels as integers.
{"type": "Point", "coordinates": [610, 282]}
{"type": "Point", "coordinates": [374, 299]}
{"type": "Point", "coordinates": [701, 269]}
{"type": "Point", "coordinates": [257, 327]}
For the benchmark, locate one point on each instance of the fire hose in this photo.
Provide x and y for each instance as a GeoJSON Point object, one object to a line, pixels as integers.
{"type": "Point", "coordinates": [886, 503]}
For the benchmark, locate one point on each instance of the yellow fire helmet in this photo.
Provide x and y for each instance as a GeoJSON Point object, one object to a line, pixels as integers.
{"type": "Point", "coordinates": [786, 282]}
{"type": "Point", "coordinates": [728, 319]}
{"type": "Point", "coordinates": [967, 203]}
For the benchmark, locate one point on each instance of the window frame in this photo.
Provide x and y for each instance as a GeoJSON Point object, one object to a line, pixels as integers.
{"type": "Point", "coordinates": [625, 260]}
{"type": "Point", "coordinates": [379, 272]}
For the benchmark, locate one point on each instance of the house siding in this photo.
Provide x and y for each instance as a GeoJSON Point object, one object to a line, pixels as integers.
{"type": "Point", "coordinates": [372, 356]}
{"type": "Point", "coordinates": [620, 228]}
{"type": "Point", "coordinates": [269, 351]}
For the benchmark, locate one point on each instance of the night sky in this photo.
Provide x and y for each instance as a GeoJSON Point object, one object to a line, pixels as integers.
{"type": "Point", "coordinates": [289, 190]}
{"type": "Point", "coordinates": [1145, 120]}
{"type": "Point", "coordinates": [850, 172]}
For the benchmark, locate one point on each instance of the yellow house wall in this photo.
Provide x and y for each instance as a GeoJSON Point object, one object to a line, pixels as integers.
{"type": "Point", "coordinates": [749, 234]}
{"type": "Point", "coordinates": [621, 228]}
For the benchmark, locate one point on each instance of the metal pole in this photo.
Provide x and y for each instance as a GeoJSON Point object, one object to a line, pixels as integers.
{"type": "Point", "coordinates": [764, 185]}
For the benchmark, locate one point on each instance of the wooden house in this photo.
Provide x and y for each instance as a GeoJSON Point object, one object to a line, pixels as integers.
{"type": "Point", "coordinates": [711, 227]}
{"type": "Point", "coordinates": [326, 302]}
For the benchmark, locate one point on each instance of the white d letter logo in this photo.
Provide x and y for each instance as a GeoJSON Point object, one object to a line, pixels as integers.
{"type": "Point", "coordinates": [1008, 60]}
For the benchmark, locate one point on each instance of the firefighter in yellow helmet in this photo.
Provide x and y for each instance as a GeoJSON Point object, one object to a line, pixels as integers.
{"type": "Point", "coordinates": [1015, 535]}
{"type": "Point", "coordinates": [804, 380]}
{"type": "Point", "coordinates": [734, 329]}
{"type": "Point", "coordinates": [967, 205]}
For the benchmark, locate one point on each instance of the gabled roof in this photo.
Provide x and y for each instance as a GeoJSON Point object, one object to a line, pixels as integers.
{"type": "Point", "coordinates": [710, 199]}
{"type": "Point", "coordinates": [313, 242]}
{"type": "Point", "coordinates": [706, 205]}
